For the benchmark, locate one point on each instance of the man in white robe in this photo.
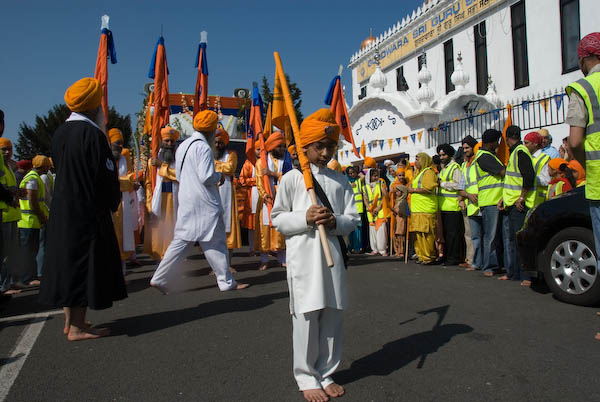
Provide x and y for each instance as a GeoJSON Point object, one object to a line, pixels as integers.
{"type": "Point", "coordinates": [200, 213]}
{"type": "Point", "coordinates": [317, 293]}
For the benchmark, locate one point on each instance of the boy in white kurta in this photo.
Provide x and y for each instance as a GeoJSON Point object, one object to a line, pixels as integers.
{"type": "Point", "coordinates": [317, 293]}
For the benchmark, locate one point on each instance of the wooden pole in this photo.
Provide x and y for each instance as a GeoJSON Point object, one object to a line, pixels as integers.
{"type": "Point", "coordinates": [406, 245]}
{"type": "Point", "coordinates": [296, 130]}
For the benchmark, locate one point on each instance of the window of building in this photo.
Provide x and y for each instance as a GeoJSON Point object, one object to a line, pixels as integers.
{"type": "Point", "coordinates": [481, 65]}
{"type": "Point", "coordinates": [449, 64]}
{"type": "Point", "coordinates": [401, 84]}
{"type": "Point", "coordinates": [420, 61]}
{"type": "Point", "coordinates": [519, 42]}
{"type": "Point", "coordinates": [363, 92]}
{"type": "Point", "coordinates": [569, 34]}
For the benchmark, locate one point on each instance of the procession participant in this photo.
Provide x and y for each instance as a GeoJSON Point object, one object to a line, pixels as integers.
{"type": "Point", "coordinates": [294, 155]}
{"type": "Point", "coordinates": [335, 165]}
{"type": "Point", "coordinates": [468, 204]}
{"type": "Point", "coordinates": [200, 212]}
{"type": "Point", "coordinates": [318, 293]}
{"type": "Point", "coordinates": [141, 206]}
{"type": "Point", "coordinates": [375, 193]}
{"type": "Point", "coordinates": [226, 164]}
{"type": "Point", "coordinates": [559, 183]}
{"type": "Point", "coordinates": [11, 214]}
{"type": "Point", "coordinates": [247, 180]}
{"type": "Point", "coordinates": [547, 147]}
{"type": "Point", "coordinates": [122, 218]}
{"type": "Point", "coordinates": [356, 244]}
{"type": "Point", "coordinates": [533, 142]}
{"type": "Point", "coordinates": [399, 201]}
{"type": "Point", "coordinates": [83, 266]}
{"type": "Point", "coordinates": [578, 172]}
{"type": "Point", "coordinates": [452, 220]}
{"type": "Point", "coordinates": [161, 203]}
{"type": "Point", "coordinates": [518, 197]}
{"type": "Point", "coordinates": [490, 172]}
{"type": "Point", "coordinates": [268, 239]}
{"type": "Point", "coordinates": [23, 167]}
{"type": "Point", "coordinates": [48, 180]}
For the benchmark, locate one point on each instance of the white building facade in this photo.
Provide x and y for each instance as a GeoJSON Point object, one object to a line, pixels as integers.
{"type": "Point", "coordinates": [456, 67]}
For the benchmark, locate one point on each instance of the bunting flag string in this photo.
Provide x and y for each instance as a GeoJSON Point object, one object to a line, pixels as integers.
{"type": "Point", "coordinates": [558, 98]}
{"type": "Point", "coordinates": [341, 154]}
{"type": "Point", "coordinates": [359, 149]}
{"type": "Point", "coordinates": [420, 135]}
{"type": "Point", "coordinates": [381, 142]}
{"type": "Point", "coordinates": [405, 138]}
{"type": "Point", "coordinates": [544, 103]}
{"type": "Point", "coordinates": [413, 137]}
{"type": "Point", "coordinates": [363, 148]}
{"type": "Point", "coordinates": [471, 120]}
{"type": "Point", "coordinates": [390, 142]}
{"type": "Point", "coordinates": [370, 146]}
{"type": "Point", "coordinates": [347, 153]}
{"type": "Point", "coordinates": [398, 140]}
{"type": "Point", "coordinates": [525, 105]}
{"type": "Point", "coordinates": [496, 114]}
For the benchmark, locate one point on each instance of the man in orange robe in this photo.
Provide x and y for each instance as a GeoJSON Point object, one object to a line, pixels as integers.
{"type": "Point", "coordinates": [247, 181]}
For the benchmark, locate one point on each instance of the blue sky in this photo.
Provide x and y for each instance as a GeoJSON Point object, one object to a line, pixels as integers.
{"type": "Point", "coordinates": [45, 46]}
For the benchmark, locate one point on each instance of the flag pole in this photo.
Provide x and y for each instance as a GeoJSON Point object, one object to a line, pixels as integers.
{"type": "Point", "coordinates": [296, 130]}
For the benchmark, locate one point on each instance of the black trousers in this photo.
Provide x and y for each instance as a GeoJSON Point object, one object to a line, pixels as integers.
{"type": "Point", "coordinates": [454, 236]}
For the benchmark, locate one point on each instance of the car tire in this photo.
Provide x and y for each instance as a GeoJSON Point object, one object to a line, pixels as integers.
{"type": "Point", "coordinates": [569, 265]}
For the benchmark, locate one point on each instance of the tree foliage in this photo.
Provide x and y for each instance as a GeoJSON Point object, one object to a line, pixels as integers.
{"type": "Point", "coordinates": [36, 139]}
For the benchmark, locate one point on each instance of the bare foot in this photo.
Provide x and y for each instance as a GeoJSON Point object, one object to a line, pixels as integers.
{"type": "Point", "coordinates": [241, 286]}
{"type": "Point", "coordinates": [233, 270]}
{"type": "Point", "coordinates": [68, 325]}
{"type": "Point", "coordinates": [34, 282]}
{"type": "Point", "coordinates": [334, 390]}
{"type": "Point", "coordinates": [263, 267]}
{"type": "Point", "coordinates": [503, 278]}
{"type": "Point", "coordinates": [283, 265]}
{"type": "Point", "coordinates": [12, 291]}
{"type": "Point", "coordinates": [471, 268]}
{"type": "Point", "coordinates": [82, 334]}
{"type": "Point", "coordinates": [597, 337]}
{"type": "Point", "coordinates": [489, 274]}
{"type": "Point", "coordinates": [160, 288]}
{"type": "Point", "coordinates": [526, 283]}
{"type": "Point", "coordinates": [315, 395]}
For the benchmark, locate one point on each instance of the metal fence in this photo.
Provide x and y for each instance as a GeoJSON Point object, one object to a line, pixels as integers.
{"type": "Point", "coordinates": [528, 115]}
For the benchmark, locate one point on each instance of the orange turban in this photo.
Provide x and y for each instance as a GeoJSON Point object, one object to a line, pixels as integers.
{"type": "Point", "coordinates": [84, 95]}
{"type": "Point", "coordinates": [273, 141]}
{"type": "Point", "coordinates": [40, 161]}
{"type": "Point", "coordinates": [114, 135]}
{"type": "Point", "coordinates": [292, 149]}
{"type": "Point", "coordinates": [5, 142]}
{"type": "Point", "coordinates": [319, 125]}
{"type": "Point", "coordinates": [574, 165]}
{"type": "Point", "coordinates": [206, 121]}
{"type": "Point", "coordinates": [370, 163]}
{"type": "Point", "coordinates": [400, 170]}
{"type": "Point", "coordinates": [476, 147]}
{"type": "Point", "coordinates": [556, 163]}
{"type": "Point", "coordinates": [335, 165]}
{"type": "Point", "coordinates": [223, 135]}
{"type": "Point", "coordinates": [169, 133]}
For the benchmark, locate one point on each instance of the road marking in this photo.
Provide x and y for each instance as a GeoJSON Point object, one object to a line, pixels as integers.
{"type": "Point", "coordinates": [30, 316]}
{"type": "Point", "coordinates": [13, 365]}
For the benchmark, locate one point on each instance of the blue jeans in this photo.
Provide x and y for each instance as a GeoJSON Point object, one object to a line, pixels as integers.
{"type": "Point", "coordinates": [41, 252]}
{"type": "Point", "coordinates": [29, 244]}
{"type": "Point", "coordinates": [513, 222]}
{"type": "Point", "coordinates": [476, 225]}
{"type": "Point", "coordinates": [491, 236]}
{"type": "Point", "coordinates": [595, 214]}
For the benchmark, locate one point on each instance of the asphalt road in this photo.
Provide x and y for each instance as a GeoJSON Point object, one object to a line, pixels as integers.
{"type": "Point", "coordinates": [412, 333]}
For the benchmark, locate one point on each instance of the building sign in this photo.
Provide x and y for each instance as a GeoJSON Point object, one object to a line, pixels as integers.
{"type": "Point", "coordinates": [455, 14]}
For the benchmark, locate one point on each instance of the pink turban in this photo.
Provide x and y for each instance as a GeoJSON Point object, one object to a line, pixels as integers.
{"type": "Point", "coordinates": [589, 45]}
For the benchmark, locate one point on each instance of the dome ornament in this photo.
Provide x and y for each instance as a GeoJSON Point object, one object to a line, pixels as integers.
{"type": "Point", "coordinates": [425, 94]}
{"type": "Point", "coordinates": [378, 80]}
{"type": "Point", "coordinates": [459, 77]}
{"type": "Point", "coordinates": [491, 96]}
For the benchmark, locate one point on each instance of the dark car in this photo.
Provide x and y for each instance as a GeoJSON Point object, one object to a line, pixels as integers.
{"type": "Point", "coordinates": [557, 243]}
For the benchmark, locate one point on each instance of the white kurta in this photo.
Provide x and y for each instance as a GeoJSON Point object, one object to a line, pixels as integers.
{"type": "Point", "coordinates": [199, 199]}
{"type": "Point", "coordinates": [128, 201]}
{"type": "Point", "coordinates": [313, 285]}
{"type": "Point", "coordinates": [225, 193]}
{"type": "Point", "coordinates": [273, 181]}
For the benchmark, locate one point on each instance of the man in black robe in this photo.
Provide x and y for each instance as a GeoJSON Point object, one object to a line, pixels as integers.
{"type": "Point", "coordinates": [83, 264]}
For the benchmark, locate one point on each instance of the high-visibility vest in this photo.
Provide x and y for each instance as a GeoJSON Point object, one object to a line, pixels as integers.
{"type": "Point", "coordinates": [371, 194]}
{"type": "Point", "coordinates": [554, 190]}
{"type": "Point", "coordinates": [447, 199]}
{"type": "Point", "coordinates": [29, 220]}
{"type": "Point", "coordinates": [357, 189]}
{"type": "Point", "coordinates": [471, 187]}
{"type": "Point", "coordinates": [422, 203]}
{"type": "Point", "coordinates": [3, 205]}
{"type": "Point", "coordinates": [538, 164]}
{"type": "Point", "coordinates": [589, 90]}
{"type": "Point", "coordinates": [513, 180]}
{"type": "Point", "coordinates": [8, 179]}
{"type": "Point", "coordinates": [489, 185]}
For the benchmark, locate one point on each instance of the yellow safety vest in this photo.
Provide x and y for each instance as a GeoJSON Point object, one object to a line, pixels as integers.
{"type": "Point", "coordinates": [540, 191]}
{"type": "Point", "coordinates": [448, 200]}
{"type": "Point", "coordinates": [471, 187]}
{"type": "Point", "coordinates": [490, 186]}
{"type": "Point", "coordinates": [29, 220]}
{"type": "Point", "coordinates": [8, 179]}
{"type": "Point", "coordinates": [513, 181]}
{"type": "Point", "coordinates": [554, 190]}
{"type": "Point", "coordinates": [371, 194]}
{"type": "Point", "coordinates": [3, 205]}
{"type": "Point", "coordinates": [357, 189]}
{"type": "Point", "coordinates": [422, 203]}
{"type": "Point", "coordinates": [589, 90]}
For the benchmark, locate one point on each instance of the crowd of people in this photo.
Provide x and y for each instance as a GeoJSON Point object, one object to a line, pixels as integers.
{"type": "Point", "coordinates": [74, 222]}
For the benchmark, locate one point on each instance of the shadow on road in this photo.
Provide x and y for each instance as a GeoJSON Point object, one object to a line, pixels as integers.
{"type": "Point", "coordinates": [143, 324]}
{"type": "Point", "coordinates": [397, 354]}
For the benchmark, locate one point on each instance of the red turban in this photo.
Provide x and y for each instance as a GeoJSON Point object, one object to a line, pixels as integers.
{"type": "Point", "coordinates": [223, 135]}
{"type": "Point", "coordinates": [25, 164]}
{"type": "Point", "coordinates": [273, 141]}
{"type": "Point", "coordinates": [534, 137]}
{"type": "Point", "coordinates": [589, 45]}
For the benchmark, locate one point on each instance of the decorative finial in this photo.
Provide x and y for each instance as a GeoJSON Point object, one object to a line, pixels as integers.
{"type": "Point", "coordinates": [459, 57]}
{"type": "Point", "coordinates": [105, 18]}
{"type": "Point", "coordinates": [376, 56]}
{"type": "Point", "coordinates": [203, 37]}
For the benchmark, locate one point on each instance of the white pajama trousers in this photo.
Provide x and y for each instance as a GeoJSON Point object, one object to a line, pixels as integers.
{"type": "Point", "coordinates": [378, 238]}
{"type": "Point", "coordinates": [264, 257]}
{"type": "Point", "coordinates": [216, 254]}
{"type": "Point", "coordinates": [317, 340]}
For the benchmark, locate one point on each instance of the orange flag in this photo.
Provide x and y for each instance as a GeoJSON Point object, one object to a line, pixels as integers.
{"type": "Point", "coordinates": [337, 104]}
{"type": "Point", "coordinates": [255, 127]}
{"type": "Point", "coordinates": [201, 94]}
{"type": "Point", "coordinates": [159, 71]}
{"type": "Point", "coordinates": [106, 50]}
{"type": "Point", "coordinates": [503, 151]}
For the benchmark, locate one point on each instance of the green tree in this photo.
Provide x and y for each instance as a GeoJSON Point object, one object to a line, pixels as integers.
{"type": "Point", "coordinates": [295, 92]}
{"type": "Point", "coordinates": [36, 139]}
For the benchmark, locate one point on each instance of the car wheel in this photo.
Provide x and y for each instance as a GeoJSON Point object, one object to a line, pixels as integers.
{"type": "Point", "coordinates": [570, 267]}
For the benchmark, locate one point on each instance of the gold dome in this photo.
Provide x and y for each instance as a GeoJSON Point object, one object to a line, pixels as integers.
{"type": "Point", "coordinates": [367, 41]}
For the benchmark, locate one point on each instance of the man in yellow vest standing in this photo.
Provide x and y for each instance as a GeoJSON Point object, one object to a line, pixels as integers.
{"type": "Point", "coordinates": [34, 215]}
{"type": "Point", "coordinates": [518, 197]}
{"type": "Point", "coordinates": [452, 220]}
{"type": "Point", "coordinates": [583, 118]}
{"type": "Point", "coordinates": [356, 239]}
{"type": "Point", "coordinates": [533, 142]}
